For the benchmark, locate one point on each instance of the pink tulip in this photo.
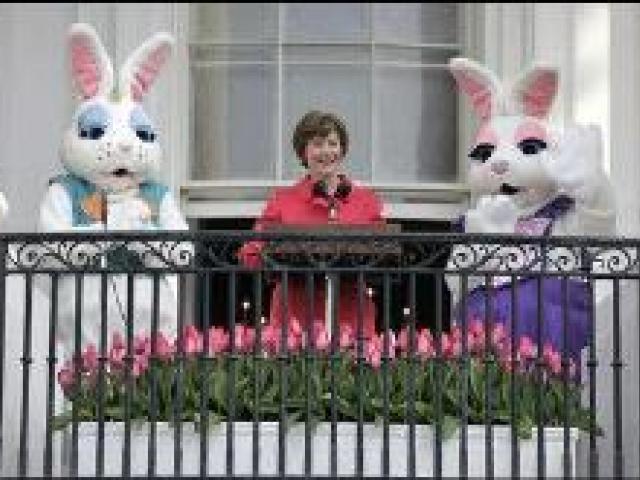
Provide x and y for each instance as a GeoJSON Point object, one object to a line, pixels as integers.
{"type": "Point", "coordinates": [552, 359]}
{"type": "Point", "coordinates": [66, 378]}
{"type": "Point", "coordinates": [244, 338]}
{"type": "Point", "coordinates": [164, 348]}
{"type": "Point", "coordinates": [526, 349]}
{"type": "Point", "coordinates": [89, 359]}
{"type": "Point", "coordinates": [294, 342]}
{"type": "Point", "coordinates": [456, 333]}
{"type": "Point", "coordinates": [373, 352]}
{"type": "Point", "coordinates": [140, 366]}
{"type": "Point", "coordinates": [295, 335]}
{"type": "Point", "coordinates": [498, 335]}
{"type": "Point", "coordinates": [403, 341]}
{"type": "Point", "coordinates": [142, 345]}
{"type": "Point", "coordinates": [424, 345]}
{"type": "Point", "coordinates": [141, 354]}
{"type": "Point", "coordinates": [191, 341]}
{"type": "Point", "coordinates": [506, 357]}
{"type": "Point", "coordinates": [271, 339]}
{"type": "Point", "coordinates": [321, 341]}
{"type": "Point", "coordinates": [117, 352]}
{"type": "Point", "coordinates": [294, 327]}
{"type": "Point", "coordinates": [475, 336]}
{"type": "Point", "coordinates": [218, 340]}
{"type": "Point", "coordinates": [347, 337]}
{"type": "Point", "coordinates": [475, 327]}
{"type": "Point", "coordinates": [451, 345]}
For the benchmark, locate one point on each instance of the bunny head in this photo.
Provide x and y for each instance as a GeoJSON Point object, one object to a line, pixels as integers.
{"type": "Point", "coordinates": [511, 145]}
{"type": "Point", "coordinates": [112, 142]}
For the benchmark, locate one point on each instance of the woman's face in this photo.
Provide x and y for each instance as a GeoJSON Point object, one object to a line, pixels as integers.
{"type": "Point", "coordinates": [324, 155]}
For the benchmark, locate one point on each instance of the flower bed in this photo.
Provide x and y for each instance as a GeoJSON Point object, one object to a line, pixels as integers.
{"type": "Point", "coordinates": [194, 369]}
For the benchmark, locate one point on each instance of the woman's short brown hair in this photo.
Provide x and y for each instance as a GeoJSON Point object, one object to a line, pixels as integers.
{"type": "Point", "coordinates": [318, 124]}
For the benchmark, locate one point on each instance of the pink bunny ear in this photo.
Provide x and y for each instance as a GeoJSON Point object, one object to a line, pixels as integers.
{"type": "Point", "coordinates": [535, 91]}
{"type": "Point", "coordinates": [91, 68]}
{"type": "Point", "coordinates": [478, 83]}
{"type": "Point", "coordinates": [143, 66]}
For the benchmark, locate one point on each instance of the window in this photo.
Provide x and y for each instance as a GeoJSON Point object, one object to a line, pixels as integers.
{"type": "Point", "coordinates": [257, 68]}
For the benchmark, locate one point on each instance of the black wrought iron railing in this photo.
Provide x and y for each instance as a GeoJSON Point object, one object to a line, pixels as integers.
{"type": "Point", "coordinates": [118, 359]}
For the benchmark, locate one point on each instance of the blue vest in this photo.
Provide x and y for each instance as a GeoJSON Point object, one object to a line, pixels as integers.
{"type": "Point", "coordinates": [79, 189]}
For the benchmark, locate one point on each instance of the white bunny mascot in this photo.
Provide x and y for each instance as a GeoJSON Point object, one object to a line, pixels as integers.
{"type": "Point", "coordinates": [528, 180]}
{"type": "Point", "coordinates": [111, 153]}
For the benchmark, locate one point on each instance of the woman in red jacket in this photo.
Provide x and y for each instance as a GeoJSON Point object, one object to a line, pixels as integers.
{"type": "Point", "coordinates": [320, 141]}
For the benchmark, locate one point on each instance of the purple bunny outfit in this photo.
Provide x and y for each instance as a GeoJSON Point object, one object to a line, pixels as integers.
{"type": "Point", "coordinates": [578, 296]}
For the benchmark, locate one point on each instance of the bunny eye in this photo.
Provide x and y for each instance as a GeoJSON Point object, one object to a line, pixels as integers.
{"type": "Point", "coordinates": [145, 134]}
{"type": "Point", "coordinates": [531, 146]}
{"type": "Point", "coordinates": [141, 124]}
{"type": "Point", "coordinates": [482, 152]}
{"type": "Point", "coordinates": [92, 133]}
{"type": "Point", "coordinates": [93, 122]}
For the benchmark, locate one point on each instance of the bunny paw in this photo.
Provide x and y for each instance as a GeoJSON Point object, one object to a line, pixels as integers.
{"type": "Point", "coordinates": [493, 214]}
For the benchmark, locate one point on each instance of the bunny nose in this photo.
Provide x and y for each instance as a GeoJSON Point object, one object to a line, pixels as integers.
{"type": "Point", "coordinates": [499, 167]}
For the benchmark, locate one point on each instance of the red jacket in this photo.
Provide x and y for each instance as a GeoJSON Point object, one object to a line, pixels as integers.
{"type": "Point", "coordinates": [301, 205]}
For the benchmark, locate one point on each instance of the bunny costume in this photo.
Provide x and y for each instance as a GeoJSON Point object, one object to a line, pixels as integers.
{"type": "Point", "coordinates": [111, 155]}
{"type": "Point", "coordinates": [525, 179]}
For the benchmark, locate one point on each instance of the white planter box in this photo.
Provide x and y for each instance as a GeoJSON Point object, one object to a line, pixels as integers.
{"type": "Point", "coordinates": [295, 442]}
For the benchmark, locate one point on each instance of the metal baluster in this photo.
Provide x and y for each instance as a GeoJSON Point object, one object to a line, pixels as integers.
{"type": "Point", "coordinates": [439, 384]}
{"type": "Point", "coordinates": [179, 380]}
{"type": "Point", "coordinates": [540, 365]}
{"type": "Point", "coordinates": [335, 357]}
{"type": "Point", "coordinates": [128, 378]}
{"type": "Point", "coordinates": [26, 361]}
{"type": "Point", "coordinates": [489, 363]}
{"type": "Point", "coordinates": [76, 381]}
{"type": "Point", "coordinates": [464, 382]}
{"type": "Point", "coordinates": [283, 357]}
{"type": "Point", "coordinates": [592, 365]}
{"type": "Point", "coordinates": [411, 384]}
{"type": "Point", "coordinates": [257, 377]}
{"type": "Point", "coordinates": [203, 365]}
{"type": "Point", "coordinates": [616, 364]}
{"type": "Point", "coordinates": [309, 370]}
{"type": "Point", "coordinates": [104, 288]}
{"type": "Point", "coordinates": [51, 374]}
{"type": "Point", "coordinates": [385, 375]}
{"type": "Point", "coordinates": [360, 376]}
{"type": "Point", "coordinates": [565, 381]}
{"type": "Point", "coordinates": [153, 387]}
{"type": "Point", "coordinates": [514, 387]}
{"type": "Point", "coordinates": [231, 374]}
